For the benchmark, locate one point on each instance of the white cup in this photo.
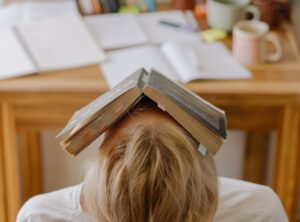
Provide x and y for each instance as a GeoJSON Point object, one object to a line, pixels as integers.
{"type": "Point", "coordinates": [223, 14]}
{"type": "Point", "coordinates": [250, 40]}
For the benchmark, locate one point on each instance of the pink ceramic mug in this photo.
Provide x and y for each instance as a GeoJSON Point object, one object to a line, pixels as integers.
{"type": "Point", "coordinates": [249, 43]}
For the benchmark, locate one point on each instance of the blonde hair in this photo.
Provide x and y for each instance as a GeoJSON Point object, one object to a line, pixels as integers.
{"type": "Point", "coordinates": [152, 173]}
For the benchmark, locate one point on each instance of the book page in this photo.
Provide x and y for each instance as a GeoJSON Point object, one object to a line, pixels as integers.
{"type": "Point", "coordinates": [34, 10]}
{"type": "Point", "coordinates": [113, 31]}
{"type": "Point", "coordinates": [10, 15]}
{"type": "Point", "coordinates": [182, 57]}
{"type": "Point", "coordinates": [217, 62]}
{"type": "Point", "coordinates": [201, 60]}
{"type": "Point", "coordinates": [60, 43]}
{"type": "Point", "coordinates": [14, 61]}
{"type": "Point", "coordinates": [159, 33]}
{"type": "Point", "coordinates": [121, 63]}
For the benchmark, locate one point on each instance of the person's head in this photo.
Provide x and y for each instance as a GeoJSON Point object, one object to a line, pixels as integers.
{"type": "Point", "coordinates": [149, 169]}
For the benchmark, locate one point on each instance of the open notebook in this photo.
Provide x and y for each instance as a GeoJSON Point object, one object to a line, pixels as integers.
{"type": "Point", "coordinates": [114, 31]}
{"type": "Point", "coordinates": [49, 44]}
{"type": "Point", "coordinates": [181, 61]}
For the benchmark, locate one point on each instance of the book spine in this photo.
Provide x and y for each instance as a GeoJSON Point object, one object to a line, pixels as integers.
{"type": "Point", "coordinates": [130, 3]}
{"type": "Point", "coordinates": [151, 6]}
{"type": "Point", "coordinates": [114, 5]}
{"type": "Point", "coordinates": [86, 7]}
{"type": "Point", "coordinates": [105, 6]}
{"type": "Point", "coordinates": [97, 6]}
{"type": "Point", "coordinates": [141, 5]}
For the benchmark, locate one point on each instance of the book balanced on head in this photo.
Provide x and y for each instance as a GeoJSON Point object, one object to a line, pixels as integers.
{"type": "Point", "coordinates": [205, 122]}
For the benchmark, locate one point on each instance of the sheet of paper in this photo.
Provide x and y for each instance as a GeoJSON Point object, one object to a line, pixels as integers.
{"type": "Point", "coordinates": [124, 62]}
{"type": "Point", "coordinates": [159, 33]}
{"type": "Point", "coordinates": [60, 42]}
{"type": "Point", "coordinates": [216, 62]}
{"type": "Point", "coordinates": [14, 60]}
{"type": "Point", "coordinates": [10, 15]}
{"type": "Point", "coordinates": [34, 10]}
{"type": "Point", "coordinates": [182, 57]}
{"type": "Point", "coordinates": [203, 61]}
{"type": "Point", "coordinates": [116, 30]}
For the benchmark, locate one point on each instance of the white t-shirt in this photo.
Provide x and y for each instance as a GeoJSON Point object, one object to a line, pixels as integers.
{"type": "Point", "coordinates": [239, 201]}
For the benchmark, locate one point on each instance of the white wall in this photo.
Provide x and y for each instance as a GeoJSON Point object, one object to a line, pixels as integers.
{"type": "Point", "coordinates": [229, 159]}
{"type": "Point", "coordinates": [59, 168]}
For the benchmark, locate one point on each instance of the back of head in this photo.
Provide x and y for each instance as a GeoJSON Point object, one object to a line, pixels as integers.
{"type": "Point", "coordinates": [153, 172]}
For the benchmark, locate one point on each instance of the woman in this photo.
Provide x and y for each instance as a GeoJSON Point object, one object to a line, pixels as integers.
{"type": "Point", "coordinates": [149, 169]}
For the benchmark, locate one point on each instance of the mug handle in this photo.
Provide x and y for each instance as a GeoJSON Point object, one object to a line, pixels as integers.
{"type": "Point", "coordinates": [254, 11]}
{"type": "Point", "coordinates": [275, 40]}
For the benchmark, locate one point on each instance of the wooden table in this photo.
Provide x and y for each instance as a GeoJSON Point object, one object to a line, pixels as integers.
{"type": "Point", "coordinates": [268, 102]}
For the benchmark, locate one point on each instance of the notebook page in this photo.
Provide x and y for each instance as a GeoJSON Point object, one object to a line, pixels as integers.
{"type": "Point", "coordinates": [33, 10]}
{"type": "Point", "coordinates": [216, 62]}
{"type": "Point", "coordinates": [14, 60]}
{"type": "Point", "coordinates": [159, 33]}
{"type": "Point", "coordinates": [182, 57]}
{"type": "Point", "coordinates": [121, 63]}
{"type": "Point", "coordinates": [9, 15]}
{"type": "Point", "coordinates": [113, 31]}
{"type": "Point", "coordinates": [60, 42]}
{"type": "Point", "coordinates": [203, 61]}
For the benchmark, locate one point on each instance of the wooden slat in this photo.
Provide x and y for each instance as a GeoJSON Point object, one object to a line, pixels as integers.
{"type": "Point", "coordinates": [256, 156]}
{"type": "Point", "coordinates": [3, 209]}
{"type": "Point", "coordinates": [48, 116]}
{"type": "Point", "coordinates": [30, 157]}
{"type": "Point", "coordinates": [286, 175]}
{"type": "Point", "coordinates": [252, 117]}
{"type": "Point", "coordinates": [10, 161]}
{"type": "Point", "coordinates": [51, 116]}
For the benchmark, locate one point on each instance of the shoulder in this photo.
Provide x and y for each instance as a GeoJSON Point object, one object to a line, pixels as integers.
{"type": "Point", "coordinates": [240, 200]}
{"type": "Point", "coordinates": [51, 206]}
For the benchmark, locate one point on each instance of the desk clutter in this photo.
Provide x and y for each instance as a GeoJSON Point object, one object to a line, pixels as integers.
{"type": "Point", "coordinates": [49, 36]}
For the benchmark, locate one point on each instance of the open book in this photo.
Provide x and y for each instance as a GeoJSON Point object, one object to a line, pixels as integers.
{"type": "Point", "coordinates": [205, 122]}
{"type": "Point", "coordinates": [113, 31]}
{"type": "Point", "coordinates": [48, 44]}
{"type": "Point", "coordinates": [181, 61]}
